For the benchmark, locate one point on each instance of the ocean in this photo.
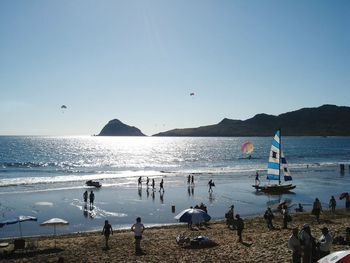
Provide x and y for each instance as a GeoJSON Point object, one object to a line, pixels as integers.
{"type": "Point", "coordinates": [44, 176]}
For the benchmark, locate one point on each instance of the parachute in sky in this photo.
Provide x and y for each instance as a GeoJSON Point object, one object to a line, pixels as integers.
{"type": "Point", "coordinates": [247, 147]}
{"type": "Point", "coordinates": [192, 94]}
{"type": "Point", "coordinates": [63, 107]}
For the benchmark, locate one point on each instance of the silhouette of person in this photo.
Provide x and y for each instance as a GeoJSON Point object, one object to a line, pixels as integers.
{"type": "Point", "coordinates": [161, 185]}
{"type": "Point", "coordinates": [153, 184]}
{"type": "Point", "coordinates": [139, 182]}
{"type": "Point", "coordinates": [192, 180]}
{"type": "Point", "coordinates": [92, 198]}
{"type": "Point", "coordinates": [85, 196]}
{"type": "Point", "coordinates": [147, 181]}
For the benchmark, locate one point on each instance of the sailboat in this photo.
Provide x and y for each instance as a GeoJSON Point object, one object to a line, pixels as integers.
{"type": "Point", "coordinates": [276, 165]}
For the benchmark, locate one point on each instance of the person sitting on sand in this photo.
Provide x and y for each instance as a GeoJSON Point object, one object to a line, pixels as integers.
{"type": "Point", "coordinates": [324, 243]}
{"type": "Point", "coordinates": [107, 231]}
{"type": "Point", "coordinates": [294, 245]}
{"type": "Point", "coordinates": [300, 208]}
{"type": "Point", "coordinates": [85, 196]}
{"type": "Point", "coordinates": [138, 229]}
{"type": "Point", "coordinates": [268, 217]}
{"type": "Point", "coordinates": [240, 227]}
{"type": "Point", "coordinates": [332, 204]}
{"type": "Point", "coordinates": [316, 209]}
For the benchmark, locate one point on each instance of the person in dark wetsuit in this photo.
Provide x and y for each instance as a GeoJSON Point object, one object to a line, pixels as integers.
{"type": "Point", "coordinates": [92, 198]}
{"type": "Point", "coordinates": [85, 196]}
{"type": "Point", "coordinates": [161, 185]}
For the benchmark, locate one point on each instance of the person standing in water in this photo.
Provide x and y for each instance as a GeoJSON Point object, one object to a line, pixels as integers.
{"type": "Point", "coordinates": [161, 185]}
{"type": "Point", "coordinates": [107, 231]}
{"type": "Point", "coordinates": [147, 181]}
{"type": "Point", "coordinates": [189, 179]}
{"type": "Point", "coordinates": [139, 182]}
{"type": "Point", "coordinates": [153, 184]}
{"type": "Point", "coordinates": [85, 196]}
{"type": "Point", "coordinates": [92, 198]}
{"type": "Point", "coordinates": [257, 180]}
{"type": "Point", "coordinates": [192, 180]}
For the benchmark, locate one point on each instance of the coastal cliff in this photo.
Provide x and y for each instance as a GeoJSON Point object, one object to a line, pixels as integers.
{"type": "Point", "coordinates": [117, 128]}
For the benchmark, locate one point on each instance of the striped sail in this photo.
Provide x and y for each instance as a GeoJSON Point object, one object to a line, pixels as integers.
{"type": "Point", "coordinates": [273, 167]}
{"type": "Point", "coordinates": [284, 167]}
{"type": "Point", "coordinates": [277, 161]}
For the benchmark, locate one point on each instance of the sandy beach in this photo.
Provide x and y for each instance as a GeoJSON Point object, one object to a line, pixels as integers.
{"type": "Point", "coordinates": [159, 245]}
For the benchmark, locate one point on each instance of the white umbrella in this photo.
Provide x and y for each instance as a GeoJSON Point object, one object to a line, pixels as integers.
{"type": "Point", "coordinates": [55, 222]}
{"type": "Point", "coordinates": [336, 257]}
{"type": "Point", "coordinates": [193, 215]}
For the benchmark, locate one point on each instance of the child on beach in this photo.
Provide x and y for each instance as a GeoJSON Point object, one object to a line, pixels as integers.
{"type": "Point", "coordinates": [107, 231]}
{"type": "Point", "coordinates": [240, 227]}
{"type": "Point", "coordinates": [138, 229]}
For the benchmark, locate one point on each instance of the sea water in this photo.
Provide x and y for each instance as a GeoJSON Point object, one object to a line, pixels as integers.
{"type": "Point", "coordinates": [45, 177]}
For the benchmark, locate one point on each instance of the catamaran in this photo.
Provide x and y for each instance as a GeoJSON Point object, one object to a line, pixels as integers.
{"type": "Point", "coordinates": [277, 164]}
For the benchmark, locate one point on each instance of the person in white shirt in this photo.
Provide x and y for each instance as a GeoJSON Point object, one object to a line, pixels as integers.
{"type": "Point", "coordinates": [324, 242]}
{"type": "Point", "coordinates": [138, 229]}
{"type": "Point", "coordinates": [294, 245]}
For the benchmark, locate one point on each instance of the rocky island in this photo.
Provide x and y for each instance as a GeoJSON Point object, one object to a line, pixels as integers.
{"type": "Point", "coordinates": [117, 128]}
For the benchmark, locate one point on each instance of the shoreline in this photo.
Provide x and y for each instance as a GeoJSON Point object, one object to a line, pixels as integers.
{"type": "Point", "coordinates": [159, 242]}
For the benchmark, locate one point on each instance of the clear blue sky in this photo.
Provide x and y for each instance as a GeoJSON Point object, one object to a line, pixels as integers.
{"type": "Point", "coordinates": [138, 61]}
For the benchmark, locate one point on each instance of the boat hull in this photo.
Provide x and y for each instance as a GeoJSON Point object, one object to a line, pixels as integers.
{"type": "Point", "coordinates": [274, 188]}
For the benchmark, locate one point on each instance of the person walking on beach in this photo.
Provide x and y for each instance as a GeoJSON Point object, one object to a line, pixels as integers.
{"type": "Point", "coordinates": [189, 179]}
{"type": "Point", "coordinates": [324, 243]}
{"type": "Point", "coordinates": [257, 180]}
{"type": "Point", "coordinates": [240, 227]}
{"type": "Point", "coordinates": [85, 196]}
{"type": "Point", "coordinates": [147, 181]}
{"type": "Point", "coordinates": [332, 204]}
{"type": "Point", "coordinates": [294, 245]}
{"type": "Point", "coordinates": [92, 198]}
{"type": "Point", "coordinates": [139, 182]}
{"type": "Point", "coordinates": [107, 231]}
{"type": "Point", "coordinates": [316, 209]}
{"type": "Point", "coordinates": [161, 185]}
{"type": "Point", "coordinates": [210, 184]}
{"type": "Point", "coordinates": [192, 179]}
{"type": "Point", "coordinates": [138, 229]}
{"type": "Point", "coordinates": [268, 217]}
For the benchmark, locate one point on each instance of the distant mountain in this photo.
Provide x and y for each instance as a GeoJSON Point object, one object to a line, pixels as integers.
{"type": "Point", "coordinates": [117, 128]}
{"type": "Point", "coordinates": [327, 120]}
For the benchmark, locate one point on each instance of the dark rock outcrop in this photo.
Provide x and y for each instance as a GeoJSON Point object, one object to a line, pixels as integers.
{"type": "Point", "coordinates": [117, 128]}
{"type": "Point", "coordinates": [327, 120]}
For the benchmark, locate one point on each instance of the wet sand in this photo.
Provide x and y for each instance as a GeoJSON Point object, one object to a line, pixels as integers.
{"type": "Point", "coordinates": [159, 245]}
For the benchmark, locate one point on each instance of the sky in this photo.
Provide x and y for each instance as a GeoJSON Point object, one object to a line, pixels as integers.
{"type": "Point", "coordinates": [139, 60]}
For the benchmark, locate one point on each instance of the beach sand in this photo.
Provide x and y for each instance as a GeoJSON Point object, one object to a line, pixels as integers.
{"type": "Point", "coordinates": [159, 245]}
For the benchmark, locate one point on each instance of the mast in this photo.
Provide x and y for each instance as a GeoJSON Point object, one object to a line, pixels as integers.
{"type": "Point", "coordinates": [279, 161]}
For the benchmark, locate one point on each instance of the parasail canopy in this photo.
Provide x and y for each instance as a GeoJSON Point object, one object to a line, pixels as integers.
{"type": "Point", "coordinates": [63, 107]}
{"type": "Point", "coordinates": [247, 147]}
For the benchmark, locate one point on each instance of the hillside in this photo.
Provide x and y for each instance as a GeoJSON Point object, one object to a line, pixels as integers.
{"type": "Point", "coordinates": [327, 120]}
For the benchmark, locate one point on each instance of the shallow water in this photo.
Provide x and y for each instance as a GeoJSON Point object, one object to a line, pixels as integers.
{"type": "Point", "coordinates": [45, 176]}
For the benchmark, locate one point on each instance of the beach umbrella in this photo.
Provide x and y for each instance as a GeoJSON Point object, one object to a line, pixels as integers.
{"type": "Point", "coordinates": [18, 220]}
{"type": "Point", "coordinates": [336, 257]}
{"type": "Point", "coordinates": [193, 215]}
{"type": "Point", "coordinates": [247, 147]}
{"type": "Point", "coordinates": [55, 222]}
